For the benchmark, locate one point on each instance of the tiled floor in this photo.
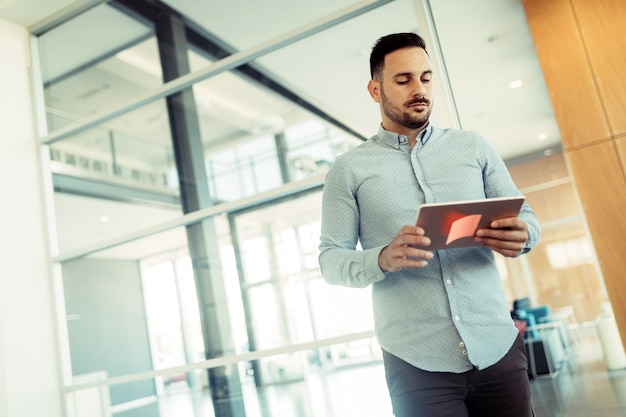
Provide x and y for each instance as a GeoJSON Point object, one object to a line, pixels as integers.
{"type": "Point", "coordinates": [582, 388]}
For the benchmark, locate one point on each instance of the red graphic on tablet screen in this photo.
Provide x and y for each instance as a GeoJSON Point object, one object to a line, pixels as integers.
{"type": "Point", "coordinates": [461, 225]}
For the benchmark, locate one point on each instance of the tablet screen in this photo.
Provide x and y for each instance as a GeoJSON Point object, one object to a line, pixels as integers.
{"type": "Point", "coordinates": [454, 224]}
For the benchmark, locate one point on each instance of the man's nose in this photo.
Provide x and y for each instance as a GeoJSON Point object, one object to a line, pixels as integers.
{"type": "Point", "coordinates": [419, 91]}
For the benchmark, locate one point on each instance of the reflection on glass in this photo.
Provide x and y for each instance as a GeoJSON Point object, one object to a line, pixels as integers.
{"type": "Point", "coordinates": [255, 139]}
{"type": "Point", "coordinates": [86, 221]}
{"type": "Point", "coordinates": [232, 107]}
{"type": "Point", "coordinates": [312, 146]}
{"type": "Point", "coordinates": [243, 169]}
{"type": "Point", "coordinates": [88, 68]}
{"type": "Point", "coordinates": [134, 149]}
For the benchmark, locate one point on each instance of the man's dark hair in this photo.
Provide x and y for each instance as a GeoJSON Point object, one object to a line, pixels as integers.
{"type": "Point", "coordinates": [390, 43]}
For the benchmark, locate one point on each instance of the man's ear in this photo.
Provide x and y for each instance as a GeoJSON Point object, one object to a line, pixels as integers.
{"type": "Point", "coordinates": [374, 89]}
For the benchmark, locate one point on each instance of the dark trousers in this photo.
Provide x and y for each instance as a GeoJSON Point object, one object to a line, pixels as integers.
{"type": "Point", "coordinates": [502, 390]}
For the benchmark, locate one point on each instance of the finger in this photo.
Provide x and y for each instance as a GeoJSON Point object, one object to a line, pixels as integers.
{"type": "Point", "coordinates": [407, 257]}
{"type": "Point", "coordinates": [509, 222]}
{"type": "Point", "coordinates": [508, 247]}
{"type": "Point", "coordinates": [501, 243]}
{"type": "Point", "coordinates": [420, 241]}
{"type": "Point", "coordinates": [407, 252]}
{"type": "Point", "coordinates": [405, 263]}
{"type": "Point", "coordinates": [509, 253]}
{"type": "Point", "coordinates": [411, 231]}
{"type": "Point", "coordinates": [504, 235]}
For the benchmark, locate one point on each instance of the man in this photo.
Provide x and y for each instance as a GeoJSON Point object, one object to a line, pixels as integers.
{"type": "Point", "coordinates": [450, 347]}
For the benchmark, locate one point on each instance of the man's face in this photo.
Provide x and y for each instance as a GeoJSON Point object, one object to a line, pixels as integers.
{"type": "Point", "coordinates": [404, 90]}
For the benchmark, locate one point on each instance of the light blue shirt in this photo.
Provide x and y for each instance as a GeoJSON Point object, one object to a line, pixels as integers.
{"type": "Point", "coordinates": [451, 315]}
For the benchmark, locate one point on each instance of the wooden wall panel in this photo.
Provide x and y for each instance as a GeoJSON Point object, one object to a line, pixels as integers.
{"type": "Point", "coordinates": [567, 72]}
{"type": "Point", "coordinates": [599, 176]}
{"type": "Point", "coordinates": [603, 28]}
{"type": "Point", "coordinates": [620, 144]}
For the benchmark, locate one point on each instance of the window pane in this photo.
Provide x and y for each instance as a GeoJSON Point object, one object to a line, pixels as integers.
{"type": "Point", "coordinates": [134, 149]}
{"type": "Point", "coordinates": [537, 171]}
{"type": "Point", "coordinates": [294, 304]}
{"type": "Point", "coordinates": [564, 271]}
{"type": "Point", "coordinates": [555, 203]}
{"type": "Point", "coordinates": [89, 69]}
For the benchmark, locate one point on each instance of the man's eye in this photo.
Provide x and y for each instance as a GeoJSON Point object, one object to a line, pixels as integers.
{"type": "Point", "coordinates": [402, 82]}
{"type": "Point", "coordinates": [426, 80]}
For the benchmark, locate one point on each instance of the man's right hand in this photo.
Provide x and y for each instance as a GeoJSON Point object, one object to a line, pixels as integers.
{"type": "Point", "coordinates": [402, 251]}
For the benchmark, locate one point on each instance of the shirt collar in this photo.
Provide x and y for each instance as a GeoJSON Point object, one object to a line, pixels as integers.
{"type": "Point", "coordinates": [396, 140]}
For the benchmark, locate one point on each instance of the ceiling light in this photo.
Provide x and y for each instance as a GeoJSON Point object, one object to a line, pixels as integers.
{"type": "Point", "coordinates": [542, 136]}
{"type": "Point", "coordinates": [269, 123]}
{"type": "Point", "coordinates": [515, 84]}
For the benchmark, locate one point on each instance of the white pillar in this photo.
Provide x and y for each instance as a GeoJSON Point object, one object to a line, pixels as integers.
{"type": "Point", "coordinates": [30, 382]}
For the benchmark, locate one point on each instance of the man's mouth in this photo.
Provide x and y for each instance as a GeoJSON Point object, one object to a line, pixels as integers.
{"type": "Point", "coordinates": [417, 103]}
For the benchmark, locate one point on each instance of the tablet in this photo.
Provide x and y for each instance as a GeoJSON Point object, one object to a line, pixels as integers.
{"type": "Point", "coordinates": [453, 225]}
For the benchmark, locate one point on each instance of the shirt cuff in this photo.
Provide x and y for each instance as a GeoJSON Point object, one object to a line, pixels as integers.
{"type": "Point", "coordinates": [371, 263]}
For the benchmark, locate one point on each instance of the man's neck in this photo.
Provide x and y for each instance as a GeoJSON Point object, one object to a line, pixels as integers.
{"type": "Point", "coordinates": [411, 134]}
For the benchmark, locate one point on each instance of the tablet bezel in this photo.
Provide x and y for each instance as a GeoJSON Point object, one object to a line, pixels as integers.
{"type": "Point", "coordinates": [437, 218]}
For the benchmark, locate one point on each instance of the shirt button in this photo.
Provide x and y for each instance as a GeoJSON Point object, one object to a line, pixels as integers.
{"type": "Point", "coordinates": [465, 352]}
{"type": "Point", "coordinates": [461, 344]}
{"type": "Point", "coordinates": [449, 281]}
{"type": "Point", "coordinates": [457, 318]}
{"type": "Point", "coordinates": [401, 140]}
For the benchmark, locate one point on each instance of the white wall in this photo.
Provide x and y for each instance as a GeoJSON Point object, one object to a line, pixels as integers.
{"type": "Point", "coordinates": [29, 371]}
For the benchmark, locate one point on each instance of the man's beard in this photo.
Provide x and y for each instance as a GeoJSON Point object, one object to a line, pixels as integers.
{"type": "Point", "coordinates": [406, 117]}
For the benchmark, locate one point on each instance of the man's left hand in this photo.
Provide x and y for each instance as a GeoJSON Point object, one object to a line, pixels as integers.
{"type": "Point", "coordinates": [505, 236]}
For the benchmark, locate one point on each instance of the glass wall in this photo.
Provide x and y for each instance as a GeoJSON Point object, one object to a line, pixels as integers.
{"type": "Point", "coordinates": [188, 148]}
{"type": "Point", "coordinates": [288, 301]}
{"type": "Point", "coordinates": [563, 268]}
{"type": "Point", "coordinates": [177, 304]}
